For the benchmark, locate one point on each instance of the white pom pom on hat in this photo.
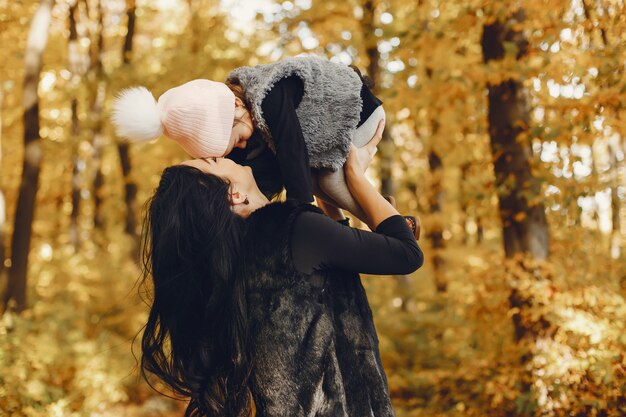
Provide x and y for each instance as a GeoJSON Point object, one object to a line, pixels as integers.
{"type": "Point", "coordinates": [198, 115]}
{"type": "Point", "coordinates": [136, 116]}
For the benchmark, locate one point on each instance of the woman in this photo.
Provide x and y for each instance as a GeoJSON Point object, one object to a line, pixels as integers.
{"type": "Point", "coordinates": [261, 299]}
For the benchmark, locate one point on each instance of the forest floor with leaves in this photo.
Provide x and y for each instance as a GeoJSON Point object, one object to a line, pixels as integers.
{"type": "Point", "coordinates": [446, 353]}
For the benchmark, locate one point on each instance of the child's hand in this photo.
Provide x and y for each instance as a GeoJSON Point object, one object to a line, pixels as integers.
{"type": "Point", "coordinates": [360, 158]}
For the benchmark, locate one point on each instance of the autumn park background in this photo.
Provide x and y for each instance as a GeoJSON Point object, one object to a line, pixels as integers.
{"type": "Point", "coordinates": [505, 135]}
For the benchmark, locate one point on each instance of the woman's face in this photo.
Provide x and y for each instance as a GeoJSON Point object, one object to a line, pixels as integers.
{"type": "Point", "coordinates": [240, 177]}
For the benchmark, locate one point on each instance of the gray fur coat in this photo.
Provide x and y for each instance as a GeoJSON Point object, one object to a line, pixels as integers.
{"type": "Point", "coordinates": [315, 345]}
{"type": "Point", "coordinates": [328, 113]}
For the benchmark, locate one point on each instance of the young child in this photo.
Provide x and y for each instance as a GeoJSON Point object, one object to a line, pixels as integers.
{"type": "Point", "coordinates": [300, 113]}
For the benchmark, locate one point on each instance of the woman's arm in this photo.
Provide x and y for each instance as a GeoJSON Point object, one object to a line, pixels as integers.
{"type": "Point", "coordinates": [319, 243]}
{"type": "Point", "coordinates": [375, 206]}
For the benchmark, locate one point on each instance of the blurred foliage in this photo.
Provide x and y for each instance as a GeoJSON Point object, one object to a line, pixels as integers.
{"type": "Point", "coordinates": [449, 353]}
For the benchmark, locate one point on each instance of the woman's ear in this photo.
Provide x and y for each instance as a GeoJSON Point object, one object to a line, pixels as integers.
{"type": "Point", "coordinates": [235, 198]}
{"type": "Point", "coordinates": [238, 102]}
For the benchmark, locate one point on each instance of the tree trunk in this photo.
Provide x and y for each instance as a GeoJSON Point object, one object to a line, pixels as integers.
{"type": "Point", "coordinates": [97, 93]}
{"type": "Point", "coordinates": [130, 189]}
{"type": "Point", "coordinates": [616, 247]}
{"type": "Point", "coordinates": [130, 32]}
{"type": "Point", "coordinates": [435, 233]}
{"type": "Point", "coordinates": [588, 16]}
{"type": "Point", "coordinates": [615, 240]}
{"type": "Point", "coordinates": [571, 207]}
{"type": "Point", "coordinates": [385, 147]}
{"type": "Point", "coordinates": [25, 210]}
{"type": "Point", "coordinates": [123, 148]}
{"type": "Point", "coordinates": [525, 228]}
{"type": "Point", "coordinates": [469, 208]}
{"type": "Point", "coordinates": [464, 202]}
{"type": "Point", "coordinates": [194, 24]}
{"type": "Point", "coordinates": [77, 164]}
{"type": "Point", "coordinates": [3, 217]}
{"type": "Point", "coordinates": [435, 203]}
{"type": "Point", "coordinates": [97, 142]}
{"type": "Point", "coordinates": [76, 161]}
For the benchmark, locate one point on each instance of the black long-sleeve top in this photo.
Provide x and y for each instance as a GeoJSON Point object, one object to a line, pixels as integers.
{"type": "Point", "coordinates": [291, 161]}
{"type": "Point", "coordinates": [279, 109]}
{"type": "Point", "coordinates": [320, 243]}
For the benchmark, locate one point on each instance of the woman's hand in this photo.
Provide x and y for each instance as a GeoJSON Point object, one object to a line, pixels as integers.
{"type": "Point", "coordinates": [373, 204]}
{"type": "Point", "coordinates": [360, 158]}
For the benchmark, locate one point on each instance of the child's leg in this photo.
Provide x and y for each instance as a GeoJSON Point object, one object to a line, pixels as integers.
{"type": "Point", "coordinates": [317, 190]}
{"type": "Point", "coordinates": [364, 133]}
{"type": "Point", "coordinates": [333, 183]}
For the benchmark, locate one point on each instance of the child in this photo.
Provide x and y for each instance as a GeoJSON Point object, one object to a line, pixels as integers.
{"type": "Point", "coordinates": [306, 110]}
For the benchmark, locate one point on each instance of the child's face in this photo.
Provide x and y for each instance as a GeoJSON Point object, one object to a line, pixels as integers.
{"type": "Point", "coordinates": [242, 129]}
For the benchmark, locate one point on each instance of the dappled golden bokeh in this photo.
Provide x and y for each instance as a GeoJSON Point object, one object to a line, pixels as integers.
{"type": "Point", "coordinates": [478, 330]}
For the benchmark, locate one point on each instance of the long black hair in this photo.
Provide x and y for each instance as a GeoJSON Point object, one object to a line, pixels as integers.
{"type": "Point", "coordinates": [196, 340]}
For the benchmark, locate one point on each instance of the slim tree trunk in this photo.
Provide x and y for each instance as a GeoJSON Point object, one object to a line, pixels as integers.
{"type": "Point", "coordinates": [435, 203]}
{"type": "Point", "coordinates": [616, 248]}
{"type": "Point", "coordinates": [97, 142]}
{"type": "Point", "coordinates": [194, 24]}
{"type": "Point", "coordinates": [435, 233]}
{"type": "Point", "coordinates": [615, 240]}
{"type": "Point", "coordinates": [622, 279]}
{"type": "Point", "coordinates": [76, 180]}
{"type": "Point", "coordinates": [385, 147]}
{"type": "Point", "coordinates": [97, 94]}
{"type": "Point", "coordinates": [587, 11]}
{"type": "Point", "coordinates": [25, 210]}
{"type": "Point", "coordinates": [571, 207]}
{"type": "Point", "coordinates": [525, 228]}
{"type": "Point", "coordinates": [3, 212]}
{"type": "Point", "coordinates": [464, 203]}
{"type": "Point", "coordinates": [76, 161]}
{"type": "Point", "coordinates": [130, 31]}
{"type": "Point", "coordinates": [469, 210]}
{"type": "Point", "coordinates": [130, 188]}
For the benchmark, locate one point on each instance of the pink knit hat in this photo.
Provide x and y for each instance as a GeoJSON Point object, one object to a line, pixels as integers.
{"type": "Point", "coordinates": [198, 115]}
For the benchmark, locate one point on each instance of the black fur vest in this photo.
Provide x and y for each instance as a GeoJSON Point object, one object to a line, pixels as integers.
{"type": "Point", "coordinates": [316, 350]}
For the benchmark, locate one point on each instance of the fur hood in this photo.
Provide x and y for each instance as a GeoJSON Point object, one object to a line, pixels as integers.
{"type": "Point", "coordinates": [328, 113]}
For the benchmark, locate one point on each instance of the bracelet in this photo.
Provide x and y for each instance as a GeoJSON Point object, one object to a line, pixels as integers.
{"type": "Point", "coordinates": [411, 222]}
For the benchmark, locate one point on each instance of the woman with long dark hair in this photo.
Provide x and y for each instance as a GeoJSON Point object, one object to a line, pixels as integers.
{"type": "Point", "coordinates": [259, 300]}
{"type": "Point", "coordinates": [193, 240]}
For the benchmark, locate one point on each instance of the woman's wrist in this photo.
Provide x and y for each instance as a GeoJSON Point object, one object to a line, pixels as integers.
{"type": "Point", "coordinates": [353, 169]}
{"type": "Point", "coordinates": [375, 206]}
{"type": "Point", "coordinates": [357, 186]}
{"type": "Point", "coordinates": [353, 176]}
